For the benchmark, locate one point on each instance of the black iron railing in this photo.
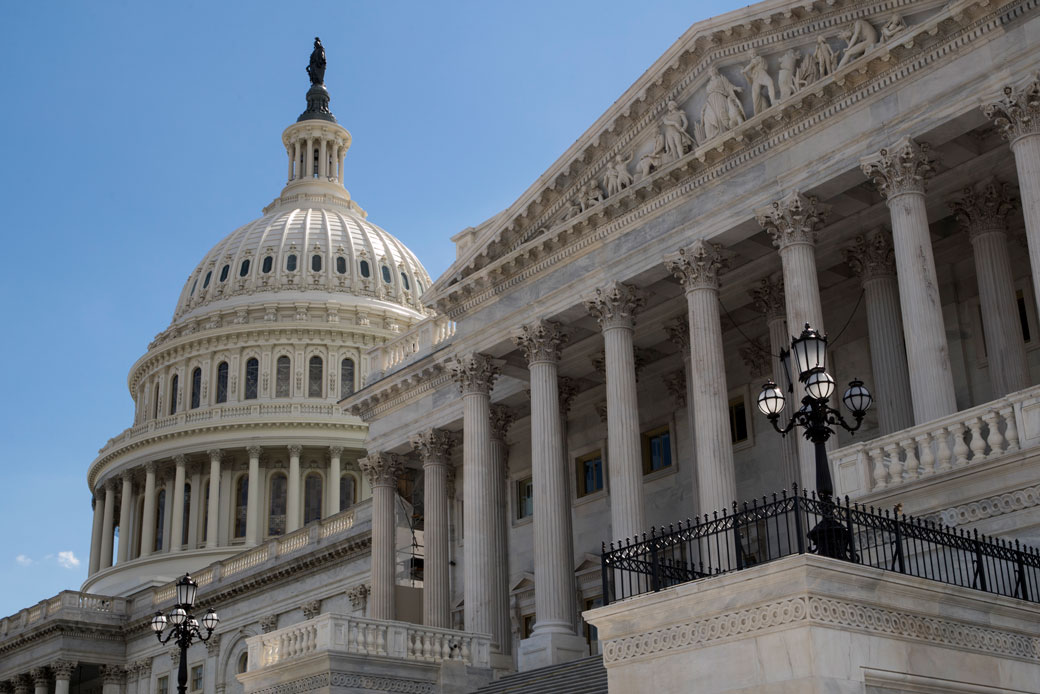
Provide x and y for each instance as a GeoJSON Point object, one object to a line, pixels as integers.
{"type": "Point", "coordinates": [764, 530]}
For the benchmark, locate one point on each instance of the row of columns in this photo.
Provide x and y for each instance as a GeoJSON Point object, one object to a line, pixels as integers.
{"type": "Point", "coordinates": [103, 529]}
{"type": "Point", "coordinates": [38, 680]}
{"type": "Point", "coordinates": [331, 154]}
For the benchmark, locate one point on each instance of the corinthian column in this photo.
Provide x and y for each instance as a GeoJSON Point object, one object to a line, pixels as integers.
{"type": "Point", "coordinates": [148, 519]}
{"type": "Point", "coordinates": [769, 299]}
{"type": "Point", "coordinates": [615, 306]}
{"type": "Point", "coordinates": [475, 375]}
{"type": "Point", "coordinates": [335, 472]}
{"type": "Point", "coordinates": [502, 418]}
{"type": "Point", "coordinates": [382, 470]}
{"type": "Point", "coordinates": [213, 510]}
{"type": "Point", "coordinates": [697, 268]}
{"type": "Point", "coordinates": [178, 504]}
{"type": "Point", "coordinates": [41, 680]}
{"type": "Point", "coordinates": [124, 516]}
{"type": "Point", "coordinates": [873, 260]}
{"type": "Point", "coordinates": [679, 334]}
{"type": "Point", "coordinates": [253, 496]}
{"type": "Point", "coordinates": [983, 211]}
{"type": "Point", "coordinates": [433, 447]}
{"type": "Point", "coordinates": [292, 504]}
{"type": "Point", "coordinates": [98, 504]}
{"type": "Point", "coordinates": [62, 670]}
{"type": "Point", "coordinates": [1017, 116]}
{"type": "Point", "coordinates": [900, 173]}
{"type": "Point", "coordinates": [553, 540]}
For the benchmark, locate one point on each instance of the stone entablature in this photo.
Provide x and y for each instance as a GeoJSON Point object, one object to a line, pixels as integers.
{"type": "Point", "coordinates": [533, 239]}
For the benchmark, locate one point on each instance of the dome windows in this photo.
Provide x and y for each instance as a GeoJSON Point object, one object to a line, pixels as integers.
{"type": "Point", "coordinates": [268, 264]}
{"type": "Point", "coordinates": [365, 271]}
{"type": "Point", "coordinates": [341, 265]}
{"type": "Point", "coordinates": [193, 285]}
{"type": "Point", "coordinates": [387, 277]}
{"type": "Point", "coordinates": [222, 381]}
{"type": "Point", "coordinates": [281, 378]}
{"type": "Point", "coordinates": [173, 394]}
{"type": "Point", "coordinates": [252, 378]}
{"type": "Point", "coordinates": [196, 388]}
{"type": "Point", "coordinates": [346, 378]}
{"type": "Point", "coordinates": [404, 282]}
{"type": "Point", "coordinates": [224, 273]}
{"type": "Point", "coordinates": [316, 262]}
{"type": "Point", "coordinates": [312, 497]}
{"type": "Point", "coordinates": [314, 377]}
{"type": "Point", "coordinates": [205, 282]}
{"type": "Point", "coordinates": [290, 262]}
{"type": "Point", "coordinates": [243, 269]}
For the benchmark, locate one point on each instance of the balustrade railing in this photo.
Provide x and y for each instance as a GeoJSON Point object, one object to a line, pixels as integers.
{"type": "Point", "coordinates": [420, 339]}
{"type": "Point", "coordinates": [67, 604]}
{"type": "Point", "coordinates": [365, 637]}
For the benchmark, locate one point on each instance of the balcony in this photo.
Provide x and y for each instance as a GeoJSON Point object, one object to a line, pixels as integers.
{"type": "Point", "coordinates": [419, 340]}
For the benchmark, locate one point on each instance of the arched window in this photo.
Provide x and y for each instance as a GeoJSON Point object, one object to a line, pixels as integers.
{"type": "Point", "coordinates": [316, 262]}
{"type": "Point", "coordinates": [155, 401]}
{"type": "Point", "coordinates": [276, 516]}
{"type": "Point", "coordinates": [314, 375]}
{"type": "Point", "coordinates": [290, 263]}
{"type": "Point", "coordinates": [187, 506]}
{"type": "Point", "coordinates": [205, 507]}
{"type": "Point", "coordinates": [365, 271]}
{"type": "Point", "coordinates": [193, 285]}
{"type": "Point", "coordinates": [243, 663]}
{"type": "Point", "coordinates": [224, 272]}
{"type": "Point", "coordinates": [205, 282]}
{"type": "Point", "coordinates": [173, 394]}
{"type": "Point", "coordinates": [222, 374]}
{"type": "Point", "coordinates": [346, 378]}
{"type": "Point", "coordinates": [282, 375]}
{"type": "Point", "coordinates": [268, 264]}
{"type": "Point", "coordinates": [252, 377]}
{"type": "Point", "coordinates": [346, 492]}
{"type": "Point", "coordinates": [160, 515]}
{"type": "Point", "coordinates": [311, 498]}
{"type": "Point", "coordinates": [241, 505]}
{"type": "Point", "coordinates": [315, 169]}
{"type": "Point", "coordinates": [404, 282]}
{"type": "Point", "coordinates": [243, 269]}
{"type": "Point", "coordinates": [386, 275]}
{"type": "Point", "coordinates": [341, 265]}
{"type": "Point", "coordinates": [196, 387]}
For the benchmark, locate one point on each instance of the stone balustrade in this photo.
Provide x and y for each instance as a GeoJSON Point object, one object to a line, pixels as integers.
{"type": "Point", "coordinates": [367, 637]}
{"type": "Point", "coordinates": [68, 605]}
{"type": "Point", "coordinates": [419, 340]}
{"type": "Point", "coordinates": [960, 440]}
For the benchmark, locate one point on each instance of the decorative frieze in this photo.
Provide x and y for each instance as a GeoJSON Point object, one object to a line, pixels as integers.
{"type": "Point", "coordinates": [795, 218]}
{"type": "Point", "coordinates": [984, 207]}
{"type": "Point", "coordinates": [1017, 112]}
{"type": "Point", "coordinates": [871, 255]}
{"type": "Point", "coordinates": [382, 469]}
{"type": "Point", "coordinates": [475, 373]}
{"type": "Point", "coordinates": [905, 167]}
{"type": "Point", "coordinates": [541, 341]}
{"type": "Point", "coordinates": [698, 266]}
{"type": "Point", "coordinates": [990, 507]}
{"type": "Point", "coordinates": [616, 305]}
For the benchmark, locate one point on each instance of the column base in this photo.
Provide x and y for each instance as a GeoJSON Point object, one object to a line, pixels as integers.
{"type": "Point", "coordinates": [550, 648]}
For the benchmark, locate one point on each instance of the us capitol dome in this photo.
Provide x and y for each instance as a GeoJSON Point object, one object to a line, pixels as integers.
{"type": "Point", "coordinates": [235, 402]}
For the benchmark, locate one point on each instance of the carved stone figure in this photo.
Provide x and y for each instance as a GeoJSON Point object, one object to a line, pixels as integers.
{"type": "Point", "coordinates": [650, 161]}
{"type": "Point", "coordinates": [789, 78]}
{"type": "Point", "coordinates": [757, 75]}
{"type": "Point", "coordinates": [894, 25]}
{"type": "Point", "coordinates": [616, 176]}
{"type": "Point", "coordinates": [823, 58]}
{"type": "Point", "coordinates": [861, 39]}
{"type": "Point", "coordinates": [316, 68]}
{"type": "Point", "coordinates": [673, 127]}
{"type": "Point", "coordinates": [722, 109]}
{"type": "Point", "coordinates": [573, 209]}
{"type": "Point", "coordinates": [591, 195]}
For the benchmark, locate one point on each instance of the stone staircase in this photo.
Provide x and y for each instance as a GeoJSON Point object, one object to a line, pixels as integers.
{"type": "Point", "coordinates": [585, 676]}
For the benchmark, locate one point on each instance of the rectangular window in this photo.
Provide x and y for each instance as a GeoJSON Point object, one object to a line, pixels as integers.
{"type": "Point", "coordinates": [196, 678]}
{"type": "Point", "coordinates": [589, 469]}
{"type": "Point", "coordinates": [524, 498]}
{"type": "Point", "coordinates": [738, 426]}
{"type": "Point", "coordinates": [162, 685]}
{"type": "Point", "coordinates": [526, 626]}
{"type": "Point", "coordinates": [657, 449]}
{"type": "Point", "coordinates": [1023, 316]}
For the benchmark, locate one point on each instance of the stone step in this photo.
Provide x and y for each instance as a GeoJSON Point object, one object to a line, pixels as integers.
{"type": "Point", "coordinates": [585, 676]}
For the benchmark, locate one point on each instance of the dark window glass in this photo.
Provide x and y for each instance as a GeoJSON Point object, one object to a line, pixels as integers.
{"type": "Point", "coordinates": [241, 504]}
{"type": "Point", "coordinates": [1023, 317]}
{"type": "Point", "coordinates": [155, 401]}
{"type": "Point", "coordinates": [590, 473]}
{"type": "Point", "coordinates": [184, 522]}
{"type": "Point", "coordinates": [341, 265]}
{"type": "Point", "coordinates": [252, 378]}
{"type": "Point", "coordinates": [268, 264]}
{"type": "Point", "coordinates": [193, 285]}
{"type": "Point", "coordinates": [222, 374]}
{"type": "Point", "coordinates": [316, 262]}
{"type": "Point", "coordinates": [276, 520]}
{"type": "Point", "coordinates": [160, 515]}
{"type": "Point", "coordinates": [205, 507]}
{"type": "Point", "coordinates": [224, 272]}
{"type": "Point", "coordinates": [196, 678]}
{"type": "Point", "coordinates": [524, 498]}
{"type": "Point", "coordinates": [657, 449]}
{"type": "Point", "coordinates": [365, 272]}
{"type": "Point", "coordinates": [173, 394]}
{"type": "Point", "coordinates": [346, 492]}
{"type": "Point", "coordinates": [311, 498]}
{"type": "Point", "coordinates": [243, 269]}
{"type": "Point", "coordinates": [196, 387]}
{"type": "Point", "coordinates": [404, 281]}
{"type": "Point", "coordinates": [290, 263]}
{"type": "Point", "coordinates": [314, 375]}
{"type": "Point", "coordinates": [205, 282]}
{"type": "Point", "coordinates": [386, 274]}
{"type": "Point", "coordinates": [243, 661]}
{"type": "Point", "coordinates": [282, 375]}
{"type": "Point", "coordinates": [346, 378]}
{"type": "Point", "coordinates": [738, 429]}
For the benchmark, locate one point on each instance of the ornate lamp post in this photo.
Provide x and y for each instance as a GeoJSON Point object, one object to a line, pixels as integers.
{"type": "Point", "coordinates": [185, 627]}
{"type": "Point", "coordinates": [817, 418]}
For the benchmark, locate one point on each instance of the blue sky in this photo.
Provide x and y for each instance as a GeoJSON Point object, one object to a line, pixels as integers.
{"type": "Point", "coordinates": [139, 134]}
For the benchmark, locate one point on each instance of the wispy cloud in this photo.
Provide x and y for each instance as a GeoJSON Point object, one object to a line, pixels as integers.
{"type": "Point", "coordinates": [68, 560]}
{"type": "Point", "coordinates": [23, 560]}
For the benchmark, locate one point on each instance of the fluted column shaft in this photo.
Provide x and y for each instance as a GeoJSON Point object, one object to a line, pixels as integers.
{"type": "Point", "coordinates": [95, 535]}
{"type": "Point", "coordinates": [253, 497]}
{"type": "Point", "coordinates": [108, 531]}
{"type": "Point", "coordinates": [292, 506]}
{"type": "Point", "coordinates": [335, 472]}
{"type": "Point", "coordinates": [501, 626]}
{"type": "Point", "coordinates": [888, 354]}
{"type": "Point", "coordinates": [780, 339]}
{"type": "Point", "coordinates": [124, 517]}
{"type": "Point", "coordinates": [323, 158]}
{"type": "Point", "coordinates": [177, 534]}
{"type": "Point", "coordinates": [213, 510]}
{"type": "Point", "coordinates": [433, 447]}
{"type": "Point", "coordinates": [1026, 149]}
{"type": "Point", "coordinates": [148, 519]}
{"type": "Point", "coordinates": [382, 470]}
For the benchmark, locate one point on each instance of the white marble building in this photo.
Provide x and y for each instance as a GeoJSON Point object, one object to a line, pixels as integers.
{"type": "Point", "coordinates": [588, 369]}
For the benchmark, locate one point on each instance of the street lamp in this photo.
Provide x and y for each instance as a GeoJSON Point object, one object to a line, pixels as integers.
{"type": "Point", "coordinates": [185, 627]}
{"type": "Point", "coordinates": [816, 417]}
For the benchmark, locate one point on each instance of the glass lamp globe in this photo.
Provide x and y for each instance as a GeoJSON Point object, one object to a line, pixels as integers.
{"type": "Point", "coordinates": [771, 400]}
{"type": "Point", "coordinates": [857, 398]}
{"type": "Point", "coordinates": [193, 623]}
{"type": "Point", "coordinates": [819, 385]}
{"type": "Point", "coordinates": [210, 620]}
{"type": "Point", "coordinates": [158, 622]}
{"type": "Point", "coordinates": [178, 616]}
{"type": "Point", "coordinates": [810, 352]}
{"type": "Point", "coordinates": [186, 589]}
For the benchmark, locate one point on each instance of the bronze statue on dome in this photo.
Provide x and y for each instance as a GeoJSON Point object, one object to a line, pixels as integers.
{"type": "Point", "coordinates": [316, 68]}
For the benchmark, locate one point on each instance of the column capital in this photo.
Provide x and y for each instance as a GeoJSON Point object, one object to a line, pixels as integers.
{"type": "Point", "coordinates": [335, 451]}
{"type": "Point", "coordinates": [433, 446]}
{"type": "Point", "coordinates": [793, 219]}
{"type": "Point", "coordinates": [382, 469]}
{"type": "Point", "coordinates": [151, 467]}
{"type": "Point", "coordinates": [22, 683]}
{"type": "Point", "coordinates": [268, 623]}
{"type": "Point", "coordinates": [110, 485]}
{"type": "Point", "coordinates": [254, 451]}
{"type": "Point", "coordinates": [757, 359]}
{"type": "Point", "coordinates": [127, 476]}
{"type": "Point", "coordinates": [475, 373]}
{"type": "Point", "coordinates": [215, 454]}
{"type": "Point", "coordinates": [984, 207]}
{"type": "Point", "coordinates": [541, 341]}
{"type": "Point", "coordinates": [144, 668]}
{"type": "Point", "coordinates": [113, 674]}
{"type": "Point", "coordinates": [567, 389]}
{"type": "Point", "coordinates": [678, 330]}
{"type": "Point", "coordinates": [358, 596]}
{"type": "Point", "coordinates": [40, 676]}
{"type": "Point", "coordinates": [213, 646]}
{"type": "Point", "coordinates": [180, 459]}
{"type": "Point", "coordinates": [62, 669]}
{"type": "Point", "coordinates": [616, 305]}
{"type": "Point", "coordinates": [675, 382]}
{"type": "Point", "coordinates": [698, 266]}
{"type": "Point", "coordinates": [502, 417]}
{"type": "Point", "coordinates": [904, 167]}
{"type": "Point", "coordinates": [871, 255]}
{"type": "Point", "coordinates": [1016, 112]}
{"type": "Point", "coordinates": [768, 298]}
{"type": "Point", "coordinates": [295, 450]}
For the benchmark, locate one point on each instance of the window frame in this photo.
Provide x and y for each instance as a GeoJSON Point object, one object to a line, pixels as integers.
{"type": "Point", "coordinates": [277, 376]}
{"type": "Point", "coordinates": [354, 482]}
{"type": "Point", "coordinates": [743, 392]}
{"type": "Point", "coordinates": [578, 458]}
{"type": "Point", "coordinates": [320, 381]}
{"type": "Point", "coordinates": [645, 438]}
{"type": "Point", "coordinates": [255, 382]}
{"type": "Point", "coordinates": [309, 475]}
{"type": "Point", "coordinates": [515, 495]}
{"type": "Point", "coordinates": [220, 395]}
{"type": "Point", "coordinates": [195, 397]}
{"type": "Point", "coordinates": [353, 376]}
{"type": "Point", "coordinates": [269, 505]}
{"type": "Point", "coordinates": [239, 489]}
{"type": "Point", "coordinates": [290, 262]}
{"type": "Point", "coordinates": [196, 675]}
